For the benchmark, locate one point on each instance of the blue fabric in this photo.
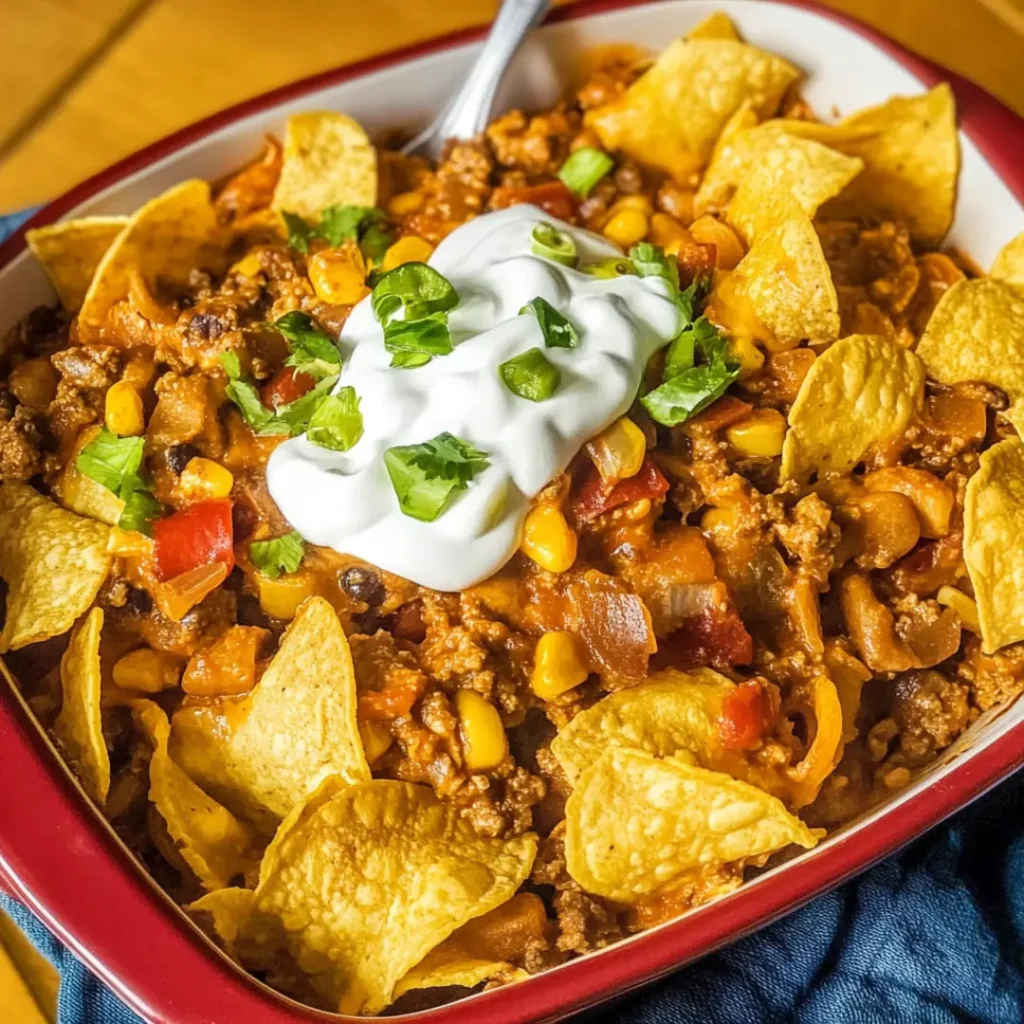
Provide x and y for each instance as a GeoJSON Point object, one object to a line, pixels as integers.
{"type": "Point", "coordinates": [934, 935]}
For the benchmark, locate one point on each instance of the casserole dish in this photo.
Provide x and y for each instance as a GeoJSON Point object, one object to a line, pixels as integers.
{"type": "Point", "coordinates": [129, 919]}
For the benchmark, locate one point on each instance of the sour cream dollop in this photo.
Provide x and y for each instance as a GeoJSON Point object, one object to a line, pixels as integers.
{"type": "Point", "coordinates": [345, 500]}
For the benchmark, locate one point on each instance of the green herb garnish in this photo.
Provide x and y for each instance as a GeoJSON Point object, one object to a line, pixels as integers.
{"type": "Point", "coordinates": [554, 244]}
{"type": "Point", "coordinates": [282, 554]}
{"type": "Point", "coordinates": [337, 224]}
{"type": "Point", "coordinates": [427, 337]}
{"type": "Point", "coordinates": [116, 464]}
{"type": "Point", "coordinates": [558, 332]}
{"type": "Point", "coordinates": [531, 375]}
{"type": "Point", "coordinates": [415, 287]}
{"type": "Point", "coordinates": [428, 477]}
{"type": "Point", "coordinates": [584, 169]}
{"type": "Point", "coordinates": [336, 422]}
{"type": "Point", "coordinates": [312, 349]}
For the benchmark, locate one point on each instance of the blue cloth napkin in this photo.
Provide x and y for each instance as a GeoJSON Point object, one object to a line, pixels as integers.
{"type": "Point", "coordinates": [934, 935]}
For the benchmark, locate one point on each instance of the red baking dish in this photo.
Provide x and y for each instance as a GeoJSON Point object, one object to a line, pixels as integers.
{"type": "Point", "coordinates": [59, 856]}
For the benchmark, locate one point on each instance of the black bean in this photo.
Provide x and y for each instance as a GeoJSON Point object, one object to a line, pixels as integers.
{"type": "Point", "coordinates": [138, 600]}
{"type": "Point", "coordinates": [207, 325]}
{"type": "Point", "coordinates": [249, 612]}
{"type": "Point", "coordinates": [178, 456]}
{"type": "Point", "coordinates": [363, 585]}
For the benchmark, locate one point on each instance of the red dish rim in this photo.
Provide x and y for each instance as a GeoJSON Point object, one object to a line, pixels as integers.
{"type": "Point", "coordinates": [63, 863]}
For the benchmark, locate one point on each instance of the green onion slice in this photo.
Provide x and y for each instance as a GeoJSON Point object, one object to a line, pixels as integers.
{"type": "Point", "coordinates": [584, 169]}
{"type": "Point", "coordinates": [554, 244]}
{"type": "Point", "coordinates": [531, 375]}
{"type": "Point", "coordinates": [558, 331]}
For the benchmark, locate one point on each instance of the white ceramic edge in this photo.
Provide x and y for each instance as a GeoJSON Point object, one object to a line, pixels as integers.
{"type": "Point", "coordinates": [845, 71]}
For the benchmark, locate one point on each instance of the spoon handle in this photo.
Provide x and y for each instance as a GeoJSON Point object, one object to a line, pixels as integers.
{"type": "Point", "coordinates": [468, 111]}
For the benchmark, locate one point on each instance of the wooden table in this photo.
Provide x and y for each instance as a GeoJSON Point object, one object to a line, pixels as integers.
{"type": "Point", "coordinates": [85, 82]}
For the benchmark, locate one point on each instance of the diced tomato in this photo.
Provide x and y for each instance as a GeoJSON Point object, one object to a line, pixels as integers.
{"type": "Point", "coordinates": [594, 498]}
{"type": "Point", "coordinates": [696, 259]}
{"type": "Point", "coordinates": [721, 414]}
{"type": "Point", "coordinates": [552, 197]}
{"type": "Point", "coordinates": [286, 386]}
{"type": "Point", "coordinates": [394, 701]}
{"type": "Point", "coordinates": [716, 637]}
{"type": "Point", "coordinates": [747, 712]}
{"type": "Point", "coordinates": [197, 535]}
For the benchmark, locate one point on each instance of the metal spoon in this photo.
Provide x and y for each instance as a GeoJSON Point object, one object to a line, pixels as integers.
{"type": "Point", "coordinates": [469, 110]}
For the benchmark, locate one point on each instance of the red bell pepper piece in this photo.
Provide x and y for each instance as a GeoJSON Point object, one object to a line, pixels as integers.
{"type": "Point", "coordinates": [747, 713]}
{"type": "Point", "coordinates": [552, 197]}
{"type": "Point", "coordinates": [286, 386]}
{"type": "Point", "coordinates": [197, 535]}
{"type": "Point", "coordinates": [594, 498]}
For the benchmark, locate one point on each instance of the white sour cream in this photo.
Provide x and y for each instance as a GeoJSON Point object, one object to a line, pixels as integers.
{"type": "Point", "coordinates": [345, 500]}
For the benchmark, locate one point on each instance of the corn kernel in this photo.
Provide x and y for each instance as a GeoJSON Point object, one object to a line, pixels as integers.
{"type": "Point", "coordinates": [202, 479]}
{"type": "Point", "coordinates": [281, 598]}
{"type": "Point", "coordinates": [408, 249]}
{"type": "Point", "coordinates": [548, 539]}
{"type": "Point", "coordinates": [665, 228]}
{"type": "Point", "coordinates": [633, 202]}
{"type": "Point", "coordinates": [710, 231]}
{"type": "Point", "coordinates": [129, 544]}
{"type": "Point", "coordinates": [761, 433]}
{"type": "Point", "coordinates": [33, 382]}
{"type": "Point", "coordinates": [248, 265]}
{"type": "Point", "coordinates": [626, 227]}
{"type": "Point", "coordinates": [147, 670]}
{"type": "Point", "coordinates": [557, 667]}
{"type": "Point", "coordinates": [744, 351]}
{"type": "Point", "coordinates": [618, 451]}
{"type": "Point", "coordinates": [377, 740]}
{"type": "Point", "coordinates": [338, 275]}
{"type": "Point", "coordinates": [963, 605]}
{"type": "Point", "coordinates": [484, 743]}
{"type": "Point", "coordinates": [123, 412]}
{"type": "Point", "coordinates": [405, 203]}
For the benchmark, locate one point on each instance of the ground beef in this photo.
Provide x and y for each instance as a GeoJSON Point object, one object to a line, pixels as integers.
{"type": "Point", "coordinates": [809, 536]}
{"type": "Point", "coordinates": [86, 371]}
{"type": "Point", "coordinates": [930, 711]}
{"type": "Point", "coordinates": [199, 627]}
{"type": "Point", "coordinates": [20, 440]}
{"type": "Point", "coordinates": [993, 678]}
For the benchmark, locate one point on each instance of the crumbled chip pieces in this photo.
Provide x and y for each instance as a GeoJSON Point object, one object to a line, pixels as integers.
{"type": "Point", "coordinates": [328, 160]}
{"type": "Point", "coordinates": [669, 712]}
{"type": "Point", "coordinates": [781, 292]}
{"type": "Point", "coordinates": [71, 251]}
{"type": "Point", "coordinates": [262, 754]}
{"type": "Point", "coordinates": [359, 889]}
{"type": "Point", "coordinates": [976, 332]}
{"type": "Point", "coordinates": [671, 116]}
{"type": "Point", "coordinates": [994, 543]}
{"type": "Point", "coordinates": [862, 391]}
{"type": "Point", "coordinates": [812, 171]}
{"type": "Point", "coordinates": [164, 240]}
{"type": "Point", "coordinates": [636, 824]}
{"type": "Point", "coordinates": [1009, 263]}
{"type": "Point", "coordinates": [79, 726]}
{"type": "Point", "coordinates": [53, 562]}
{"type": "Point", "coordinates": [211, 840]}
{"type": "Point", "coordinates": [911, 155]}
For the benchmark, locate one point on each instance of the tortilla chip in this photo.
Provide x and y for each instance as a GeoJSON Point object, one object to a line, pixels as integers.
{"type": "Point", "coordinates": [812, 171]}
{"type": "Point", "coordinates": [211, 840]}
{"type": "Point", "coordinates": [976, 332]}
{"type": "Point", "coordinates": [1009, 263]}
{"type": "Point", "coordinates": [53, 562]}
{"type": "Point", "coordinates": [669, 712]}
{"type": "Point", "coordinates": [994, 543]}
{"type": "Point", "coordinates": [864, 390]}
{"type": "Point", "coordinates": [166, 239]}
{"type": "Point", "coordinates": [911, 164]}
{"type": "Point", "coordinates": [328, 160]}
{"type": "Point", "coordinates": [360, 889]}
{"type": "Point", "coordinates": [717, 25]}
{"type": "Point", "coordinates": [71, 251]}
{"type": "Point", "coordinates": [671, 116]}
{"type": "Point", "coordinates": [263, 754]}
{"type": "Point", "coordinates": [636, 824]}
{"type": "Point", "coordinates": [782, 290]}
{"type": "Point", "coordinates": [446, 966]}
{"type": "Point", "coordinates": [79, 728]}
